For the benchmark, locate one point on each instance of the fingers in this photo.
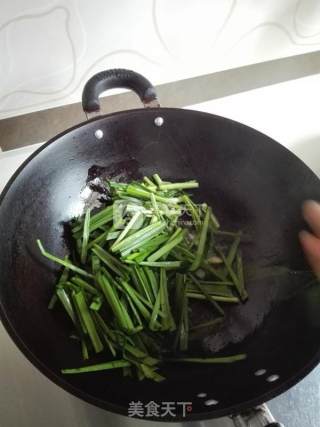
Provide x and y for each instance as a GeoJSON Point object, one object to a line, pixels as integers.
{"type": "Point", "coordinates": [311, 242]}
{"type": "Point", "coordinates": [311, 247]}
{"type": "Point", "coordinates": [311, 213]}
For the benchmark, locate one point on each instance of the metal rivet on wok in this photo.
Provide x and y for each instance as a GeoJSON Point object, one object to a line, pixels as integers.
{"type": "Point", "coordinates": [98, 134]}
{"type": "Point", "coordinates": [201, 395]}
{"type": "Point", "coordinates": [211, 402]}
{"type": "Point", "coordinates": [260, 372]}
{"type": "Point", "coordinates": [272, 378]}
{"type": "Point", "coordinates": [158, 121]}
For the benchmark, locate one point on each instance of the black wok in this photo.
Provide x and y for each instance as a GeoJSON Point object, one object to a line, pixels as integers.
{"type": "Point", "coordinates": [253, 184]}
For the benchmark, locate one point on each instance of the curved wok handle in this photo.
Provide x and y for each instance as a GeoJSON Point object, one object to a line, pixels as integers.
{"type": "Point", "coordinates": [116, 78]}
{"type": "Point", "coordinates": [274, 425]}
{"type": "Point", "coordinates": [259, 416]}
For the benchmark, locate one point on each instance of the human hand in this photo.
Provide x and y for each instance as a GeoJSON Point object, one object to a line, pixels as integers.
{"type": "Point", "coordinates": [311, 241]}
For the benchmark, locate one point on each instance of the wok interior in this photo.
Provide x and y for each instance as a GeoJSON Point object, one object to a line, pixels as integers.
{"type": "Point", "coordinates": [252, 183]}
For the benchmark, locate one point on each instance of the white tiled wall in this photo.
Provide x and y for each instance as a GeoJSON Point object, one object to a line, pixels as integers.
{"type": "Point", "coordinates": [48, 48]}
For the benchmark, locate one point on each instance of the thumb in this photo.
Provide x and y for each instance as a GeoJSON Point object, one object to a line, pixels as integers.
{"type": "Point", "coordinates": [311, 248]}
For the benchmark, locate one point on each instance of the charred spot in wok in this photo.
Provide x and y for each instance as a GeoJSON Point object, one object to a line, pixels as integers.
{"type": "Point", "coordinates": [95, 172]}
{"type": "Point", "coordinates": [96, 181]}
{"type": "Point", "coordinates": [98, 175]}
{"type": "Point", "coordinates": [67, 236]}
{"type": "Point", "coordinates": [128, 169]}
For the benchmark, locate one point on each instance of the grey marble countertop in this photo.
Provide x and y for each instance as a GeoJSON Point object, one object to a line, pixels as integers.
{"type": "Point", "coordinates": [300, 406]}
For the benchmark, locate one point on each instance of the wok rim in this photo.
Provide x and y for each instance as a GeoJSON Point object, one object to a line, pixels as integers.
{"type": "Point", "coordinates": [117, 409]}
